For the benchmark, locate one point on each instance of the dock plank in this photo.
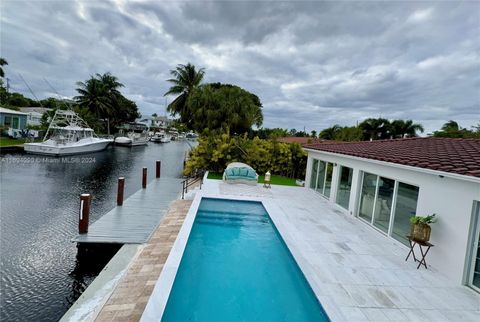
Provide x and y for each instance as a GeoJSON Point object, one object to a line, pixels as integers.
{"type": "Point", "coordinates": [137, 219]}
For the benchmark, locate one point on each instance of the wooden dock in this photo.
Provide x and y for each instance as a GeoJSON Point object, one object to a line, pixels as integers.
{"type": "Point", "coordinates": [138, 217]}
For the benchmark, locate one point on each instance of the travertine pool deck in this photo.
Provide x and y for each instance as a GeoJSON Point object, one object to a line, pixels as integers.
{"type": "Point", "coordinates": [357, 273]}
{"type": "Point", "coordinates": [129, 298]}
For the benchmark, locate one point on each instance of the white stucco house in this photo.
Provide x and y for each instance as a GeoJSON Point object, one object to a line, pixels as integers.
{"type": "Point", "coordinates": [383, 183]}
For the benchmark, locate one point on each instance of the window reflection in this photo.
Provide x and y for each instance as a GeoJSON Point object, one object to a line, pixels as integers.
{"type": "Point", "coordinates": [344, 187]}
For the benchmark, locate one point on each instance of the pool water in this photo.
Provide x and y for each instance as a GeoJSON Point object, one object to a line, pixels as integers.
{"type": "Point", "coordinates": [236, 267]}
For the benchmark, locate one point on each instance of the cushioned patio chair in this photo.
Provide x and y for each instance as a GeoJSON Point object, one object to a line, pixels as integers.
{"type": "Point", "coordinates": [237, 172]}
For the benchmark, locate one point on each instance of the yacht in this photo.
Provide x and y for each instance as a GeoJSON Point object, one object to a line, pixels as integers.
{"type": "Point", "coordinates": [160, 137]}
{"type": "Point", "coordinates": [132, 135]}
{"type": "Point", "coordinates": [68, 134]}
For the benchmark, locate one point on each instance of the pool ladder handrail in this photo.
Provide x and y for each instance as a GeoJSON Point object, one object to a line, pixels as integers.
{"type": "Point", "coordinates": [189, 181]}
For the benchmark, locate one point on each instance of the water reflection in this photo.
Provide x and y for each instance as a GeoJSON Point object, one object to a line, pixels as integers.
{"type": "Point", "coordinates": [90, 261]}
{"type": "Point", "coordinates": [39, 200]}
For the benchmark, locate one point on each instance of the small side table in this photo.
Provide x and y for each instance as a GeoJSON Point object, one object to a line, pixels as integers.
{"type": "Point", "coordinates": [266, 184]}
{"type": "Point", "coordinates": [420, 244]}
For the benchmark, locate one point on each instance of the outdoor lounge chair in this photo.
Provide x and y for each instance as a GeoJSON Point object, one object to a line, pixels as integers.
{"type": "Point", "coordinates": [237, 172]}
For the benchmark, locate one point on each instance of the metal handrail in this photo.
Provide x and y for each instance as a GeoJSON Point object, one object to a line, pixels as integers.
{"type": "Point", "coordinates": [189, 181]}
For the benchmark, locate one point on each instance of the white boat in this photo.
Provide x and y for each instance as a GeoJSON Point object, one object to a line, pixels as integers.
{"type": "Point", "coordinates": [191, 136]}
{"type": "Point", "coordinates": [136, 134]}
{"type": "Point", "coordinates": [160, 138]}
{"type": "Point", "coordinates": [68, 134]}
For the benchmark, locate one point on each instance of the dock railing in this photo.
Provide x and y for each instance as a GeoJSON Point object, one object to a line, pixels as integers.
{"type": "Point", "coordinates": [191, 180]}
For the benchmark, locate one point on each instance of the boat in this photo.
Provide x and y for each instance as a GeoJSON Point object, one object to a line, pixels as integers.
{"type": "Point", "coordinates": [160, 137]}
{"type": "Point", "coordinates": [133, 134]}
{"type": "Point", "coordinates": [68, 134]}
{"type": "Point", "coordinates": [191, 136]}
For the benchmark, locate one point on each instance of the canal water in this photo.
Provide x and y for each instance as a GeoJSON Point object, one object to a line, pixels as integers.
{"type": "Point", "coordinates": [42, 273]}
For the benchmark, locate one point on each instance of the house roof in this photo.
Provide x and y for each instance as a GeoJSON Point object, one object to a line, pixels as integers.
{"type": "Point", "coordinates": [459, 156]}
{"type": "Point", "coordinates": [36, 109]}
{"type": "Point", "coordinates": [9, 111]}
{"type": "Point", "coordinates": [301, 140]}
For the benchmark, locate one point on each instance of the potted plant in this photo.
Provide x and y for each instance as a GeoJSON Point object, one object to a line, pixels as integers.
{"type": "Point", "coordinates": [420, 228]}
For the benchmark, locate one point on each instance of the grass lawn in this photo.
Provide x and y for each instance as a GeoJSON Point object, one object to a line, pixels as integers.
{"type": "Point", "coordinates": [279, 180]}
{"type": "Point", "coordinates": [5, 141]}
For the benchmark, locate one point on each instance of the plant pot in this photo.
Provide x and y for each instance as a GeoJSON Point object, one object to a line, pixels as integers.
{"type": "Point", "coordinates": [420, 232]}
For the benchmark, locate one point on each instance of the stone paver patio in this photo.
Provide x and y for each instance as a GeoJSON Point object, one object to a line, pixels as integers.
{"type": "Point", "coordinates": [129, 298]}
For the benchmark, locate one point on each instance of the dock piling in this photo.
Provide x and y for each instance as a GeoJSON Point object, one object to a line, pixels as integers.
{"type": "Point", "coordinates": [158, 165]}
{"type": "Point", "coordinates": [144, 178]}
{"type": "Point", "coordinates": [121, 189]}
{"type": "Point", "coordinates": [85, 201]}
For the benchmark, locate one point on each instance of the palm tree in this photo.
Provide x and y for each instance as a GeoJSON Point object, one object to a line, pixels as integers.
{"type": "Point", "coordinates": [330, 133]}
{"type": "Point", "coordinates": [374, 129]}
{"type": "Point", "coordinates": [451, 126]}
{"type": "Point", "coordinates": [185, 79]}
{"type": "Point", "coordinates": [3, 62]}
{"type": "Point", "coordinates": [100, 95]}
{"type": "Point", "coordinates": [401, 128]}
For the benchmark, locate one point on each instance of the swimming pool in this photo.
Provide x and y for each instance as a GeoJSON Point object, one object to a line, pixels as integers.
{"type": "Point", "coordinates": [236, 267]}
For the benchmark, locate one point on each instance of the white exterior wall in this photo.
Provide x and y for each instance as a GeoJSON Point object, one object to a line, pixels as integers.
{"type": "Point", "coordinates": [450, 198]}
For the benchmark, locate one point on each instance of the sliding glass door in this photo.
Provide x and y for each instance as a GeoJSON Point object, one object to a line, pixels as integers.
{"type": "Point", "coordinates": [382, 199]}
{"type": "Point", "coordinates": [405, 207]}
{"type": "Point", "coordinates": [321, 178]}
{"type": "Point", "coordinates": [368, 195]}
{"type": "Point", "coordinates": [328, 180]}
{"type": "Point", "coordinates": [313, 177]}
{"type": "Point", "coordinates": [474, 276]}
{"type": "Point", "coordinates": [344, 186]}
{"type": "Point", "coordinates": [383, 204]}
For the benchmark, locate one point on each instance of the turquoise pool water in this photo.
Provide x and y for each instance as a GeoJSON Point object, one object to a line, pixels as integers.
{"type": "Point", "coordinates": [236, 267]}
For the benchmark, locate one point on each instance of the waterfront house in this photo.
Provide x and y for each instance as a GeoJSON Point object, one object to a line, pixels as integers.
{"type": "Point", "coordinates": [34, 114]}
{"type": "Point", "coordinates": [383, 183]}
{"type": "Point", "coordinates": [13, 122]}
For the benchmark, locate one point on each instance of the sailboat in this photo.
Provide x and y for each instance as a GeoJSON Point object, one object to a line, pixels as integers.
{"type": "Point", "coordinates": [68, 134]}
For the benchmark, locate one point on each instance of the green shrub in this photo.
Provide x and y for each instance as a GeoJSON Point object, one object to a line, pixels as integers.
{"type": "Point", "coordinates": [215, 152]}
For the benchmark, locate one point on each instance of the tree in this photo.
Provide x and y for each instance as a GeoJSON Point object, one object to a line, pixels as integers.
{"type": "Point", "coordinates": [222, 107]}
{"type": "Point", "coordinates": [313, 134]}
{"type": "Point", "coordinates": [330, 133]}
{"type": "Point", "coordinates": [154, 115]}
{"type": "Point", "coordinates": [349, 133]}
{"type": "Point", "coordinates": [375, 129]}
{"type": "Point", "coordinates": [185, 79]}
{"type": "Point", "coordinates": [401, 128]}
{"type": "Point", "coordinates": [101, 96]}
{"type": "Point", "coordinates": [266, 133]}
{"type": "Point", "coordinates": [3, 62]}
{"type": "Point", "coordinates": [451, 129]}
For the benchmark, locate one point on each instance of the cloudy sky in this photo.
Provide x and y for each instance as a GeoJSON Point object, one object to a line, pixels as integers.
{"type": "Point", "coordinates": [313, 64]}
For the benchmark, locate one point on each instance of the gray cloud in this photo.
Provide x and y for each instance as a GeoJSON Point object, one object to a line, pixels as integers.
{"type": "Point", "coordinates": [313, 64]}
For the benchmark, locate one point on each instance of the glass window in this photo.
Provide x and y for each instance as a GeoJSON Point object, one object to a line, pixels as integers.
{"type": "Point", "coordinates": [383, 205]}
{"type": "Point", "coordinates": [344, 187]}
{"type": "Point", "coordinates": [7, 121]}
{"type": "Point", "coordinates": [406, 206]}
{"type": "Point", "coordinates": [476, 270]}
{"type": "Point", "coordinates": [367, 197]}
{"type": "Point", "coordinates": [475, 274]}
{"type": "Point", "coordinates": [321, 176]}
{"type": "Point", "coordinates": [15, 123]}
{"type": "Point", "coordinates": [328, 180]}
{"type": "Point", "coordinates": [313, 177]}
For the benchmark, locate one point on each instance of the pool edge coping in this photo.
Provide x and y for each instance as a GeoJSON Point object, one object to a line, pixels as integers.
{"type": "Point", "coordinates": [157, 302]}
